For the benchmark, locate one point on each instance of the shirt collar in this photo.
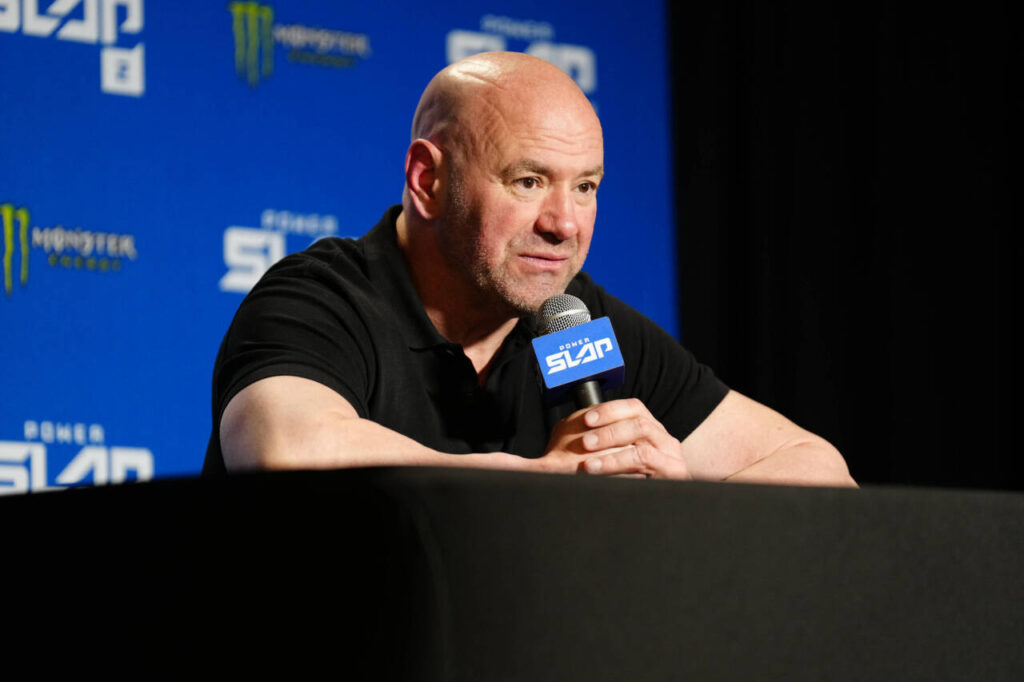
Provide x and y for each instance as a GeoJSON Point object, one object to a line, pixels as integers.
{"type": "Point", "coordinates": [389, 273]}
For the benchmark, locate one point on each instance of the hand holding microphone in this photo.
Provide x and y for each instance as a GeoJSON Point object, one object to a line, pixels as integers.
{"type": "Point", "coordinates": [579, 358]}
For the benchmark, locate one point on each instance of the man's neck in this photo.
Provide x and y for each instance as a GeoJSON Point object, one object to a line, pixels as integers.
{"type": "Point", "coordinates": [450, 303]}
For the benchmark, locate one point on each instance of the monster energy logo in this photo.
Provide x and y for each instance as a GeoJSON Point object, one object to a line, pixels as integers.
{"type": "Point", "coordinates": [67, 248]}
{"type": "Point", "coordinates": [256, 34]}
{"type": "Point", "coordinates": [10, 215]}
{"type": "Point", "coordinates": [252, 25]}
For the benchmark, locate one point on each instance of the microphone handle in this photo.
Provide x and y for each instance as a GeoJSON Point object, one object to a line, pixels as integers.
{"type": "Point", "coordinates": [587, 394]}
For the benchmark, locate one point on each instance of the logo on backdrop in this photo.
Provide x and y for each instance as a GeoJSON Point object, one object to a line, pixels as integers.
{"type": "Point", "coordinates": [498, 33]}
{"type": "Point", "coordinates": [122, 69]}
{"type": "Point", "coordinates": [250, 251]}
{"type": "Point", "coordinates": [65, 248]}
{"type": "Point", "coordinates": [15, 225]}
{"type": "Point", "coordinates": [256, 34]}
{"type": "Point", "coordinates": [24, 464]}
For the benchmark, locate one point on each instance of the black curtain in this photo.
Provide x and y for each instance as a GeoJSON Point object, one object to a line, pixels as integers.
{"type": "Point", "coordinates": [847, 245]}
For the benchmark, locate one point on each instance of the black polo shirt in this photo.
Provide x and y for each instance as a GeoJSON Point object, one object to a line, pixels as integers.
{"type": "Point", "coordinates": [345, 313]}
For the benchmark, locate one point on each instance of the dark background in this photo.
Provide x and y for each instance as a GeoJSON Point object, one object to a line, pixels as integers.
{"type": "Point", "coordinates": [846, 238]}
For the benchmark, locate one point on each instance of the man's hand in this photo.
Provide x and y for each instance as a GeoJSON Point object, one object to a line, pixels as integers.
{"type": "Point", "coordinates": [617, 438]}
{"type": "Point", "coordinates": [741, 440]}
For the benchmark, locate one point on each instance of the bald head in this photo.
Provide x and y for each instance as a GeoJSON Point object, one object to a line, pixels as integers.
{"type": "Point", "coordinates": [467, 101]}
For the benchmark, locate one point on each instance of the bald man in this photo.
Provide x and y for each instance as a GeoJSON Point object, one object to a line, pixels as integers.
{"type": "Point", "coordinates": [410, 346]}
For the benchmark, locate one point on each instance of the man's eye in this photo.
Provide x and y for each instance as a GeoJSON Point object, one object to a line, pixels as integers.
{"type": "Point", "coordinates": [528, 183]}
{"type": "Point", "coordinates": [587, 187]}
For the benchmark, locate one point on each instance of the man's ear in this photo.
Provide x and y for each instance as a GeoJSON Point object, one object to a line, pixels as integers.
{"type": "Point", "coordinates": [423, 177]}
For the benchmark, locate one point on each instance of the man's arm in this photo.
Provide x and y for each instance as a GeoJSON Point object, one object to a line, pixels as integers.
{"type": "Point", "coordinates": [287, 422]}
{"type": "Point", "coordinates": [743, 440]}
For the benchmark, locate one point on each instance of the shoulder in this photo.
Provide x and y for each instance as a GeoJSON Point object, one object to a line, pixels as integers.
{"type": "Point", "coordinates": [637, 335]}
{"type": "Point", "coordinates": [342, 261]}
{"type": "Point", "coordinates": [600, 303]}
{"type": "Point", "coordinates": [326, 260]}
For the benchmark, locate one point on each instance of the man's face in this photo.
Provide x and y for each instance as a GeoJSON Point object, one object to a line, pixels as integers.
{"type": "Point", "coordinates": [522, 202]}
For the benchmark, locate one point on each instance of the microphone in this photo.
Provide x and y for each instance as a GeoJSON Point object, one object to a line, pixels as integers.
{"type": "Point", "coordinates": [577, 357]}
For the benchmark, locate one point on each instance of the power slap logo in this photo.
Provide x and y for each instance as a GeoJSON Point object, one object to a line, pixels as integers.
{"type": "Point", "coordinates": [499, 33]}
{"type": "Point", "coordinates": [256, 34]}
{"type": "Point", "coordinates": [25, 464]}
{"type": "Point", "coordinates": [587, 351]}
{"type": "Point", "coordinates": [122, 69]}
{"type": "Point", "coordinates": [577, 352]}
{"type": "Point", "coordinates": [68, 249]}
{"type": "Point", "coordinates": [250, 251]}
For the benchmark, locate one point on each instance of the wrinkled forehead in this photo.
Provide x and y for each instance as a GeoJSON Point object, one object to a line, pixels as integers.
{"type": "Point", "coordinates": [499, 118]}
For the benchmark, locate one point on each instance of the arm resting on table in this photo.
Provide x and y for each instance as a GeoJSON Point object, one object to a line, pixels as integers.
{"type": "Point", "coordinates": [287, 422]}
{"type": "Point", "coordinates": [743, 440]}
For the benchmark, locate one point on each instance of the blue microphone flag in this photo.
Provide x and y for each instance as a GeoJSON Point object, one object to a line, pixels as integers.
{"type": "Point", "coordinates": [577, 354]}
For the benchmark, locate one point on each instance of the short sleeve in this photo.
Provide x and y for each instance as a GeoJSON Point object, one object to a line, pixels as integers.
{"type": "Point", "coordinates": [305, 318]}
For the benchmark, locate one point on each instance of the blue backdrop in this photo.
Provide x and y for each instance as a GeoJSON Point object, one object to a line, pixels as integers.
{"type": "Point", "coordinates": [155, 158]}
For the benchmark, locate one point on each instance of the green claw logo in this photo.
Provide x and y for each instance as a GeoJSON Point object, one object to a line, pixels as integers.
{"type": "Point", "coordinates": [15, 222]}
{"type": "Point", "coordinates": [252, 25]}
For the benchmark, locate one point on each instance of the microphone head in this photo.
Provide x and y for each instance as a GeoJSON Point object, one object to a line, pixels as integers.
{"type": "Point", "coordinates": [561, 312]}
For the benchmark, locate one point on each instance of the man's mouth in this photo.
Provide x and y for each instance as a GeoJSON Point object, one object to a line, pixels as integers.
{"type": "Point", "coordinates": [544, 261]}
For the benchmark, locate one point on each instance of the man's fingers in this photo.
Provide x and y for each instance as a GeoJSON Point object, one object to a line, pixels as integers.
{"type": "Point", "coordinates": [637, 459]}
{"type": "Point", "coordinates": [627, 431]}
{"type": "Point", "coordinates": [613, 435]}
{"type": "Point", "coordinates": [619, 438]}
{"type": "Point", "coordinates": [613, 411]}
{"type": "Point", "coordinates": [620, 461]}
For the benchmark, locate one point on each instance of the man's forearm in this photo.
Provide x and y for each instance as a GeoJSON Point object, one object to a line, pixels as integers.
{"type": "Point", "coordinates": [288, 422]}
{"type": "Point", "coordinates": [808, 463]}
{"type": "Point", "coordinates": [335, 442]}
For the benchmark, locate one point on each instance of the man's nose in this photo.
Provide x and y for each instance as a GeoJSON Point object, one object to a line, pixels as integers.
{"type": "Point", "coordinates": [558, 215]}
